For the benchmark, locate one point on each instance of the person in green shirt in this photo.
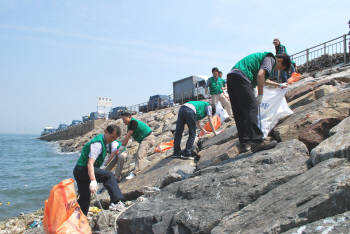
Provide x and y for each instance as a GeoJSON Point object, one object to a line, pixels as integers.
{"type": "Point", "coordinates": [87, 171]}
{"type": "Point", "coordinates": [190, 113]}
{"type": "Point", "coordinates": [280, 49]}
{"type": "Point", "coordinates": [216, 85]}
{"type": "Point", "coordinates": [251, 71]}
{"type": "Point", "coordinates": [141, 133]}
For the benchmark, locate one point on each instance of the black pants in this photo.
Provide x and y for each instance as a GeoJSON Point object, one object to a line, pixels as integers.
{"type": "Point", "coordinates": [186, 116]}
{"type": "Point", "coordinates": [245, 108]}
{"type": "Point", "coordinates": [102, 176]}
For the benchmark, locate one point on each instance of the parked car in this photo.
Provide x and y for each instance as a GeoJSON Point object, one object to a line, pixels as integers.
{"type": "Point", "coordinates": [76, 122]}
{"type": "Point", "coordinates": [190, 88]}
{"type": "Point", "coordinates": [97, 115]}
{"type": "Point", "coordinates": [116, 112]}
{"type": "Point", "coordinates": [85, 118]}
{"type": "Point", "coordinates": [62, 126]}
{"type": "Point", "coordinates": [48, 130]}
{"type": "Point", "coordinates": [159, 102]}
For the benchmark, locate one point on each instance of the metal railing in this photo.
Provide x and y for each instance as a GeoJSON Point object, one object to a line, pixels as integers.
{"type": "Point", "coordinates": [325, 55]}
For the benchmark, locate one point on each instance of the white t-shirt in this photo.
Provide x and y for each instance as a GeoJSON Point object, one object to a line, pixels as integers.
{"type": "Point", "coordinates": [95, 150]}
{"type": "Point", "coordinates": [114, 146]}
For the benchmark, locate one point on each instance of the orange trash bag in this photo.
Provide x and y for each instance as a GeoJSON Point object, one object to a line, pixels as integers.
{"type": "Point", "coordinates": [62, 212]}
{"type": "Point", "coordinates": [294, 78]}
{"type": "Point", "coordinates": [216, 123]}
{"type": "Point", "coordinates": [164, 146]}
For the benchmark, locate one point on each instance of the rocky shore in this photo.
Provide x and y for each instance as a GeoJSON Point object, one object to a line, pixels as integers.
{"type": "Point", "coordinates": [300, 186]}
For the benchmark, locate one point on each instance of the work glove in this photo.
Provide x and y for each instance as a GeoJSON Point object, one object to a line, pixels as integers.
{"type": "Point", "coordinates": [93, 186]}
{"type": "Point", "coordinates": [259, 99]}
{"type": "Point", "coordinates": [283, 85]}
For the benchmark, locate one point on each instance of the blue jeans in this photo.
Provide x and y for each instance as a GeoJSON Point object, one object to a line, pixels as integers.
{"type": "Point", "coordinates": [102, 176]}
{"type": "Point", "coordinates": [186, 116]}
{"type": "Point", "coordinates": [283, 75]}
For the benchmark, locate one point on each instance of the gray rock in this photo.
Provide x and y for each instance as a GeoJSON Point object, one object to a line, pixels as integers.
{"type": "Point", "coordinates": [320, 192]}
{"type": "Point", "coordinates": [228, 134]}
{"type": "Point", "coordinates": [218, 153]}
{"type": "Point", "coordinates": [197, 204]}
{"type": "Point", "coordinates": [37, 230]}
{"type": "Point", "coordinates": [331, 225]}
{"type": "Point", "coordinates": [334, 105]}
{"type": "Point", "coordinates": [338, 145]}
{"type": "Point", "coordinates": [160, 173]}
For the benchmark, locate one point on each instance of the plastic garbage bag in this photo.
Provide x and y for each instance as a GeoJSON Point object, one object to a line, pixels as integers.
{"type": "Point", "coordinates": [62, 213]}
{"type": "Point", "coordinates": [221, 112]}
{"type": "Point", "coordinates": [294, 78]}
{"type": "Point", "coordinates": [272, 108]}
{"type": "Point", "coordinates": [216, 123]}
{"type": "Point", "coordinates": [164, 146]}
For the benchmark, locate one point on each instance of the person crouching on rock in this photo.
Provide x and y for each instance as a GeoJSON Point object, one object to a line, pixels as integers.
{"type": "Point", "coordinates": [87, 171]}
{"type": "Point", "coordinates": [141, 133]}
{"type": "Point", "coordinates": [248, 73]}
{"type": "Point", "coordinates": [190, 113]}
{"type": "Point", "coordinates": [117, 157]}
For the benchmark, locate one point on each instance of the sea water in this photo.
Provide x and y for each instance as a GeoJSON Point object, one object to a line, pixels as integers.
{"type": "Point", "coordinates": [29, 168]}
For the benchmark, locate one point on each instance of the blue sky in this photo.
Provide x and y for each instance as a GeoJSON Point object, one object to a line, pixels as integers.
{"type": "Point", "coordinates": [57, 57]}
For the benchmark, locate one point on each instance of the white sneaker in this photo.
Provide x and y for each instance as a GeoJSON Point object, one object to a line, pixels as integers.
{"type": "Point", "coordinates": [130, 176]}
{"type": "Point", "coordinates": [117, 207]}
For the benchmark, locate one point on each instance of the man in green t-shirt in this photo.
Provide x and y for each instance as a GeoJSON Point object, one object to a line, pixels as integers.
{"type": "Point", "coordinates": [251, 71]}
{"type": "Point", "coordinates": [190, 113]}
{"type": "Point", "coordinates": [141, 133]}
{"type": "Point", "coordinates": [87, 171]}
{"type": "Point", "coordinates": [216, 85]}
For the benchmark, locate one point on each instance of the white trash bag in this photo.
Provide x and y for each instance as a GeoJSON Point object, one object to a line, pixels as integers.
{"type": "Point", "coordinates": [221, 112]}
{"type": "Point", "coordinates": [272, 108]}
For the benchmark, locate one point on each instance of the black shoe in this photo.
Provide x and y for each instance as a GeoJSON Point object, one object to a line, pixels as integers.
{"type": "Point", "coordinates": [244, 147]}
{"type": "Point", "coordinates": [264, 145]}
{"type": "Point", "coordinates": [176, 156]}
{"type": "Point", "coordinates": [187, 157]}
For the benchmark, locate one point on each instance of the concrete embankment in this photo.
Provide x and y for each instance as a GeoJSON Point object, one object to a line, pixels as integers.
{"type": "Point", "coordinates": [73, 131]}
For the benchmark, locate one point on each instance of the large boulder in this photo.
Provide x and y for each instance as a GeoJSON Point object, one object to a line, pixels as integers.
{"type": "Point", "coordinates": [218, 153]}
{"type": "Point", "coordinates": [321, 192]}
{"type": "Point", "coordinates": [338, 145]}
{"type": "Point", "coordinates": [331, 225]}
{"type": "Point", "coordinates": [317, 132]}
{"type": "Point", "coordinates": [197, 204]}
{"type": "Point", "coordinates": [312, 96]}
{"type": "Point", "coordinates": [227, 135]}
{"type": "Point", "coordinates": [306, 88]}
{"type": "Point", "coordinates": [334, 105]}
{"type": "Point", "coordinates": [159, 174]}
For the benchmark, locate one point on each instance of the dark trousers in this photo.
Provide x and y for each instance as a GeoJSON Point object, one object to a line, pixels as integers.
{"type": "Point", "coordinates": [245, 108]}
{"type": "Point", "coordinates": [102, 176]}
{"type": "Point", "coordinates": [186, 116]}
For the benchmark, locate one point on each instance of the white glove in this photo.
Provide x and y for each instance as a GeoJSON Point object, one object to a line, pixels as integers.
{"type": "Point", "coordinates": [283, 85]}
{"type": "Point", "coordinates": [259, 99]}
{"type": "Point", "coordinates": [93, 186]}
